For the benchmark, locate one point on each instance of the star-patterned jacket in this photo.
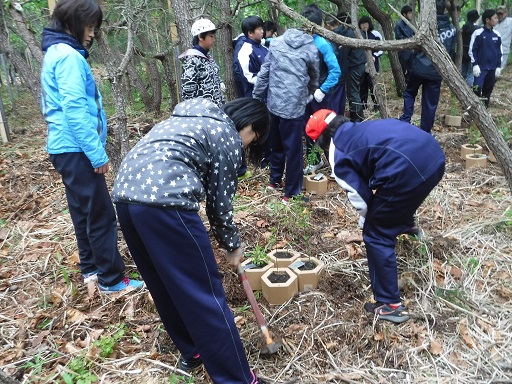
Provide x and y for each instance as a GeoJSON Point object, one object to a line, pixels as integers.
{"type": "Point", "coordinates": [190, 157]}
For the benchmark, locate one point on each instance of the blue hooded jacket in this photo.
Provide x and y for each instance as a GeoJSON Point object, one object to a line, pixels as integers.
{"type": "Point", "coordinates": [71, 102]}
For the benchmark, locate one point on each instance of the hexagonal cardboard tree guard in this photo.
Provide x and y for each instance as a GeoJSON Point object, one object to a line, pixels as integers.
{"type": "Point", "coordinates": [277, 256]}
{"type": "Point", "coordinates": [307, 278]}
{"type": "Point", "coordinates": [469, 149]}
{"type": "Point", "coordinates": [476, 160]}
{"type": "Point", "coordinates": [254, 273]}
{"type": "Point", "coordinates": [317, 187]}
{"type": "Point", "coordinates": [279, 293]}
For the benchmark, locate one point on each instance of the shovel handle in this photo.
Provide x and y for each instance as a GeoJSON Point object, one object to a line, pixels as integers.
{"type": "Point", "coordinates": [252, 300]}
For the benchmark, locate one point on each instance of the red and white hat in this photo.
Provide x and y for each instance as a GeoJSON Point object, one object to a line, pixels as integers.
{"type": "Point", "coordinates": [318, 121]}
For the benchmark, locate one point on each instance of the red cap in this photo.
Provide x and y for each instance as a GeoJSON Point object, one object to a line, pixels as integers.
{"type": "Point", "coordinates": [318, 121]}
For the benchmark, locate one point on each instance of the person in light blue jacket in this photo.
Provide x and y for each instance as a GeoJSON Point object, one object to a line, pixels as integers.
{"type": "Point", "coordinates": [330, 73]}
{"type": "Point", "coordinates": [76, 139]}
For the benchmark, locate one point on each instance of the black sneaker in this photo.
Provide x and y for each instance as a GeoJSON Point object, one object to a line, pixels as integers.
{"type": "Point", "coordinates": [383, 311]}
{"type": "Point", "coordinates": [190, 364]}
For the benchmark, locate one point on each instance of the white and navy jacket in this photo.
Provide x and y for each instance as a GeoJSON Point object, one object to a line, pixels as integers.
{"type": "Point", "coordinates": [191, 157]}
{"type": "Point", "coordinates": [485, 49]}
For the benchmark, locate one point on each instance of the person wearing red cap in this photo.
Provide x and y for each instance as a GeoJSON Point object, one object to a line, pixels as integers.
{"type": "Point", "coordinates": [388, 167]}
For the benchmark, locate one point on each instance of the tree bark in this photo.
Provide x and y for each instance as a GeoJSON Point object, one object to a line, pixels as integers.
{"type": "Point", "coordinates": [26, 35]}
{"type": "Point", "coordinates": [386, 23]}
{"type": "Point", "coordinates": [32, 82]}
{"type": "Point", "coordinates": [427, 40]}
{"type": "Point", "coordinates": [225, 45]}
{"type": "Point", "coordinates": [183, 18]}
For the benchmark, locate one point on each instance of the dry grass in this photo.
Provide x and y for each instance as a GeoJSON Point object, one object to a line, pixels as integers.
{"type": "Point", "coordinates": [457, 283]}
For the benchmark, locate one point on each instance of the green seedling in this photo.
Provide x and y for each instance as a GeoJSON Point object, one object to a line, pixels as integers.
{"type": "Point", "coordinates": [258, 256]}
{"type": "Point", "coordinates": [178, 379]}
{"type": "Point", "coordinates": [107, 344]}
{"type": "Point", "coordinates": [473, 135]}
{"type": "Point", "coordinates": [472, 265]}
{"type": "Point", "coordinates": [314, 155]}
{"type": "Point", "coordinates": [78, 372]}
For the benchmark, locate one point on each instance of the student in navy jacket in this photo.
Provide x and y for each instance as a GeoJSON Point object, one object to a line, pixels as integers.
{"type": "Point", "coordinates": [250, 54]}
{"type": "Point", "coordinates": [366, 86]}
{"type": "Point", "coordinates": [388, 168]}
{"type": "Point", "coordinates": [485, 53]}
{"type": "Point", "coordinates": [403, 31]}
{"type": "Point", "coordinates": [425, 75]}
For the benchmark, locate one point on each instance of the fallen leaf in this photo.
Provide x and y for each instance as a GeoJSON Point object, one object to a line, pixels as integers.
{"type": "Point", "coordinates": [36, 342]}
{"type": "Point", "coordinates": [436, 348]}
{"type": "Point", "coordinates": [353, 250]}
{"type": "Point", "coordinates": [74, 258]}
{"type": "Point", "coordinates": [378, 336]}
{"type": "Point", "coordinates": [331, 344]}
{"type": "Point", "coordinates": [456, 273]}
{"type": "Point", "coordinates": [261, 224]}
{"type": "Point", "coordinates": [75, 316]}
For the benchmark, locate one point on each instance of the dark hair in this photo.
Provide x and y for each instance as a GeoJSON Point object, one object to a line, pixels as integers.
{"type": "Point", "coordinates": [473, 15]}
{"type": "Point", "coordinates": [344, 18]}
{"type": "Point", "coordinates": [331, 20]}
{"type": "Point", "coordinates": [245, 111]}
{"type": "Point", "coordinates": [324, 140]}
{"type": "Point", "coordinates": [488, 14]}
{"type": "Point", "coordinates": [405, 9]}
{"type": "Point", "coordinates": [269, 26]}
{"type": "Point", "coordinates": [73, 16]}
{"type": "Point", "coordinates": [195, 40]}
{"type": "Point", "coordinates": [312, 13]}
{"type": "Point", "coordinates": [250, 23]}
{"type": "Point", "coordinates": [440, 7]}
{"type": "Point", "coordinates": [366, 19]}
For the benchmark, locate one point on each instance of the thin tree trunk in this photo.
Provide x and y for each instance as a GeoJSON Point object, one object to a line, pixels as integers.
{"type": "Point", "coordinates": [387, 28]}
{"type": "Point", "coordinates": [26, 35]}
{"type": "Point", "coordinates": [32, 82]}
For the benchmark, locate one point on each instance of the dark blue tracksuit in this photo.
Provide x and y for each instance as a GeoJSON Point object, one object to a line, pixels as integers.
{"type": "Point", "coordinates": [402, 164]}
{"type": "Point", "coordinates": [485, 51]}
{"type": "Point", "coordinates": [424, 74]}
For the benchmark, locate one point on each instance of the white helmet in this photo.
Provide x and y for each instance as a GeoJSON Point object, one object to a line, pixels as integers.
{"type": "Point", "coordinates": [202, 25]}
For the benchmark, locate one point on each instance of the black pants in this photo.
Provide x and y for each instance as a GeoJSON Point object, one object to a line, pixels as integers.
{"type": "Point", "coordinates": [93, 216]}
{"type": "Point", "coordinates": [353, 93]}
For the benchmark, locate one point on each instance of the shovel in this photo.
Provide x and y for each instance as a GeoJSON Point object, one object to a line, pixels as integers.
{"type": "Point", "coordinates": [271, 345]}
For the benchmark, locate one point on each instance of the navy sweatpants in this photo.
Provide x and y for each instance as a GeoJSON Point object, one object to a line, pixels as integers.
{"type": "Point", "coordinates": [484, 84]}
{"type": "Point", "coordinates": [286, 143]}
{"type": "Point", "coordinates": [338, 99]}
{"type": "Point", "coordinates": [175, 258]}
{"type": "Point", "coordinates": [430, 92]}
{"type": "Point", "coordinates": [93, 216]}
{"type": "Point", "coordinates": [391, 213]}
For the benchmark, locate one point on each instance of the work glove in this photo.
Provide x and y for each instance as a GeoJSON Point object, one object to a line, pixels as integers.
{"type": "Point", "coordinates": [498, 72]}
{"type": "Point", "coordinates": [310, 98]}
{"type": "Point", "coordinates": [366, 68]}
{"type": "Point", "coordinates": [361, 222]}
{"type": "Point", "coordinates": [319, 95]}
{"type": "Point", "coordinates": [222, 86]}
{"type": "Point", "coordinates": [476, 71]}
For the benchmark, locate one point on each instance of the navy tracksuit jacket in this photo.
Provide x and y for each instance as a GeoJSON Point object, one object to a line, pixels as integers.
{"type": "Point", "coordinates": [388, 168]}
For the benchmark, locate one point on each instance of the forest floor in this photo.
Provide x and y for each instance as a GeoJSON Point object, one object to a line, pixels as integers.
{"type": "Point", "coordinates": [457, 282]}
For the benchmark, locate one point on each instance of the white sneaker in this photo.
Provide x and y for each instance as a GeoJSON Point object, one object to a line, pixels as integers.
{"type": "Point", "coordinates": [312, 168]}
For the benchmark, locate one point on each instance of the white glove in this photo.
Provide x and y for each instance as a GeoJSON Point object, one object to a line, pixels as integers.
{"type": "Point", "coordinates": [319, 95]}
{"type": "Point", "coordinates": [310, 98]}
{"type": "Point", "coordinates": [361, 222]}
{"type": "Point", "coordinates": [476, 71]}
{"type": "Point", "coordinates": [222, 86]}
{"type": "Point", "coordinates": [498, 72]}
{"type": "Point", "coordinates": [366, 68]}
